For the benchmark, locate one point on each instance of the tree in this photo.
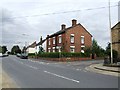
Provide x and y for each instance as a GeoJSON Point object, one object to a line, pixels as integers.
{"type": "Point", "coordinates": [15, 50]}
{"type": "Point", "coordinates": [24, 49]}
{"type": "Point", "coordinates": [95, 49]}
{"type": "Point", "coordinates": [4, 49]}
{"type": "Point", "coordinates": [108, 51]}
{"type": "Point", "coordinates": [41, 49]}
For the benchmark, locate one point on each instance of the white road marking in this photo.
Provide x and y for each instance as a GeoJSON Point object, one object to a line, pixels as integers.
{"type": "Point", "coordinates": [26, 64]}
{"type": "Point", "coordinates": [62, 77]}
{"type": "Point", "coordinates": [31, 66]}
{"type": "Point", "coordinates": [77, 69]}
{"type": "Point", "coordinates": [84, 70]}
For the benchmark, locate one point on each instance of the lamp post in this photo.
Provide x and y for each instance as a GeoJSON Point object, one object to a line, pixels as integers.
{"type": "Point", "coordinates": [25, 41]}
{"type": "Point", "coordinates": [110, 33]}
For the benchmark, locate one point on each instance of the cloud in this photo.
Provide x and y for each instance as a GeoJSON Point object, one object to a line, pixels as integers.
{"type": "Point", "coordinates": [14, 24]}
{"type": "Point", "coordinates": [15, 30]}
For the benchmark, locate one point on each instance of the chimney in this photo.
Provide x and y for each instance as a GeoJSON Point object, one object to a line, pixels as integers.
{"type": "Point", "coordinates": [41, 39]}
{"type": "Point", "coordinates": [74, 22]}
{"type": "Point", "coordinates": [63, 26]}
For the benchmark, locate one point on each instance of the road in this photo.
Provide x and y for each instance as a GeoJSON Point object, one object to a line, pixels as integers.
{"type": "Point", "coordinates": [33, 74]}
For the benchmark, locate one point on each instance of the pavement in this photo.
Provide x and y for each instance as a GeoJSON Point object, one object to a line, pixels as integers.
{"type": "Point", "coordinates": [99, 68]}
{"type": "Point", "coordinates": [5, 80]}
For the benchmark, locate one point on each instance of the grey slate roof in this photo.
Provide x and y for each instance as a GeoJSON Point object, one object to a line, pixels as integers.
{"type": "Point", "coordinates": [63, 31]}
{"type": "Point", "coordinates": [60, 32]}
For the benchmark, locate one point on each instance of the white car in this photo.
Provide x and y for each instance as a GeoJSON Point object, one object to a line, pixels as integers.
{"type": "Point", "coordinates": [1, 55]}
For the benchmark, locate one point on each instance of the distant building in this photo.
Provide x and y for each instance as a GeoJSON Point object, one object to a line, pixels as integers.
{"type": "Point", "coordinates": [32, 48]}
{"type": "Point", "coordinates": [119, 11]}
{"type": "Point", "coordinates": [71, 39]}
{"type": "Point", "coordinates": [116, 38]}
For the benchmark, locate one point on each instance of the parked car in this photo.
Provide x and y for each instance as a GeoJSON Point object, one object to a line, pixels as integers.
{"type": "Point", "coordinates": [24, 56]}
{"type": "Point", "coordinates": [18, 55]}
{"type": "Point", "coordinates": [6, 54]}
{"type": "Point", "coordinates": [1, 55]}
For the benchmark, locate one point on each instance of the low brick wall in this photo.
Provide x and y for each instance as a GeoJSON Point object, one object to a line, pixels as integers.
{"type": "Point", "coordinates": [64, 59]}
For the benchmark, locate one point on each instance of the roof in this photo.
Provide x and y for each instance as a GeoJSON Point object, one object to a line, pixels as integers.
{"type": "Point", "coordinates": [60, 32]}
{"type": "Point", "coordinates": [63, 31]}
{"type": "Point", "coordinates": [117, 26]}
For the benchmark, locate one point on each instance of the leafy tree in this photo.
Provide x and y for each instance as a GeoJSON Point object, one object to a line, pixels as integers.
{"type": "Point", "coordinates": [24, 50]}
{"type": "Point", "coordinates": [15, 50]}
{"type": "Point", "coordinates": [41, 49]}
{"type": "Point", "coordinates": [108, 51]}
{"type": "Point", "coordinates": [95, 49]}
{"type": "Point", "coordinates": [4, 49]}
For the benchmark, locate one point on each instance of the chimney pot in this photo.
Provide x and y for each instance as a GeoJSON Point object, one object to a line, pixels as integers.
{"type": "Point", "coordinates": [63, 26]}
{"type": "Point", "coordinates": [74, 22]}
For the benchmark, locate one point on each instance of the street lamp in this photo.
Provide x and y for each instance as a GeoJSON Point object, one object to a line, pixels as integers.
{"type": "Point", "coordinates": [110, 33]}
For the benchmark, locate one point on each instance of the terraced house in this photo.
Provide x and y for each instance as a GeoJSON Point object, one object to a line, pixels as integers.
{"type": "Point", "coordinates": [72, 39]}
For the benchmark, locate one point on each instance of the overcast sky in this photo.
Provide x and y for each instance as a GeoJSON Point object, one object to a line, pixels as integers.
{"type": "Point", "coordinates": [26, 20]}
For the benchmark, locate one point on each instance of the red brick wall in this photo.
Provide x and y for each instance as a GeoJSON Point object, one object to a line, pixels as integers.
{"type": "Point", "coordinates": [78, 31]}
{"type": "Point", "coordinates": [64, 59]}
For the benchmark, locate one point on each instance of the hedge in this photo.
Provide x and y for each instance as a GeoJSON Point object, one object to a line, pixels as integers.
{"type": "Point", "coordinates": [31, 54]}
{"type": "Point", "coordinates": [62, 54]}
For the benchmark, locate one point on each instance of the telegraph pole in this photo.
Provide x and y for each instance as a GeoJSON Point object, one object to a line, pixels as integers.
{"type": "Point", "coordinates": [110, 33]}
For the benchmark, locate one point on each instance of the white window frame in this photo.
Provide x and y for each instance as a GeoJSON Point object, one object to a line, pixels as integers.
{"type": "Point", "coordinates": [72, 49]}
{"type": "Point", "coordinates": [49, 41]}
{"type": "Point", "coordinates": [82, 51]}
{"type": "Point", "coordinates": [60, 39]}
{"type": "Point", "coordinates": [72, 38]}
{"type": "Point", "coordinates": [53, 40]}
{"type": "Point", "coordinates": [49, 50]}
{"type": "Point", "coordinates": [82, 40]}
{"type": "Point", "coordinates": [53, 49]}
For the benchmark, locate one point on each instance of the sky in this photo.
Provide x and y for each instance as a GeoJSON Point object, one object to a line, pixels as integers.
{"type": "Point", "coordinates": [24, 21]}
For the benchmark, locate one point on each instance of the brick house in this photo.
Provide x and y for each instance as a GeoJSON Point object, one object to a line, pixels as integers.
{"type": "Point", "coordinates": [116, 38]}
{"type": "Point", "coordinates": [71, 39]}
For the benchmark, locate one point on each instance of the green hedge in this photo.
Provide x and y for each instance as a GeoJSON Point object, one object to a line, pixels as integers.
{"type": "Point", "coordinates": [62, 54]}
{"type": "Point", "coordinates": [31, 54]}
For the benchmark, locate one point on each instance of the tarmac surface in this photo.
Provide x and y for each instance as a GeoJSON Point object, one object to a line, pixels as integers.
{"type": "Point", "coordinates": [29, 73]}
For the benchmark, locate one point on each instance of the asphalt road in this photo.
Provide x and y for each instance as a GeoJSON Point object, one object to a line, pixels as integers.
{"type": "Point", "coordinates": [33, 74]}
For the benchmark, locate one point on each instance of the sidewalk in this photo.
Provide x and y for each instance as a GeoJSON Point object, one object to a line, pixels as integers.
{"type": "Point", "coordinates": [5, 80]}
{"type": "Point", "coordinates": [106, 68]}
{"type": "Point", "coordinates": [99, 68]}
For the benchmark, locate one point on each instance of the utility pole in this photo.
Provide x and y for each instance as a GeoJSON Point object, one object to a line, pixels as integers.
{"type": "Point", "coordinates": [110, 33]}
{"type": "Point", "coordinates": [40, 44]}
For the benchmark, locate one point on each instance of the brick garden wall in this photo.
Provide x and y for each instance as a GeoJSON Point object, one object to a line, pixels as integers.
{"type": "Point", "coordinates": [63, 59]}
